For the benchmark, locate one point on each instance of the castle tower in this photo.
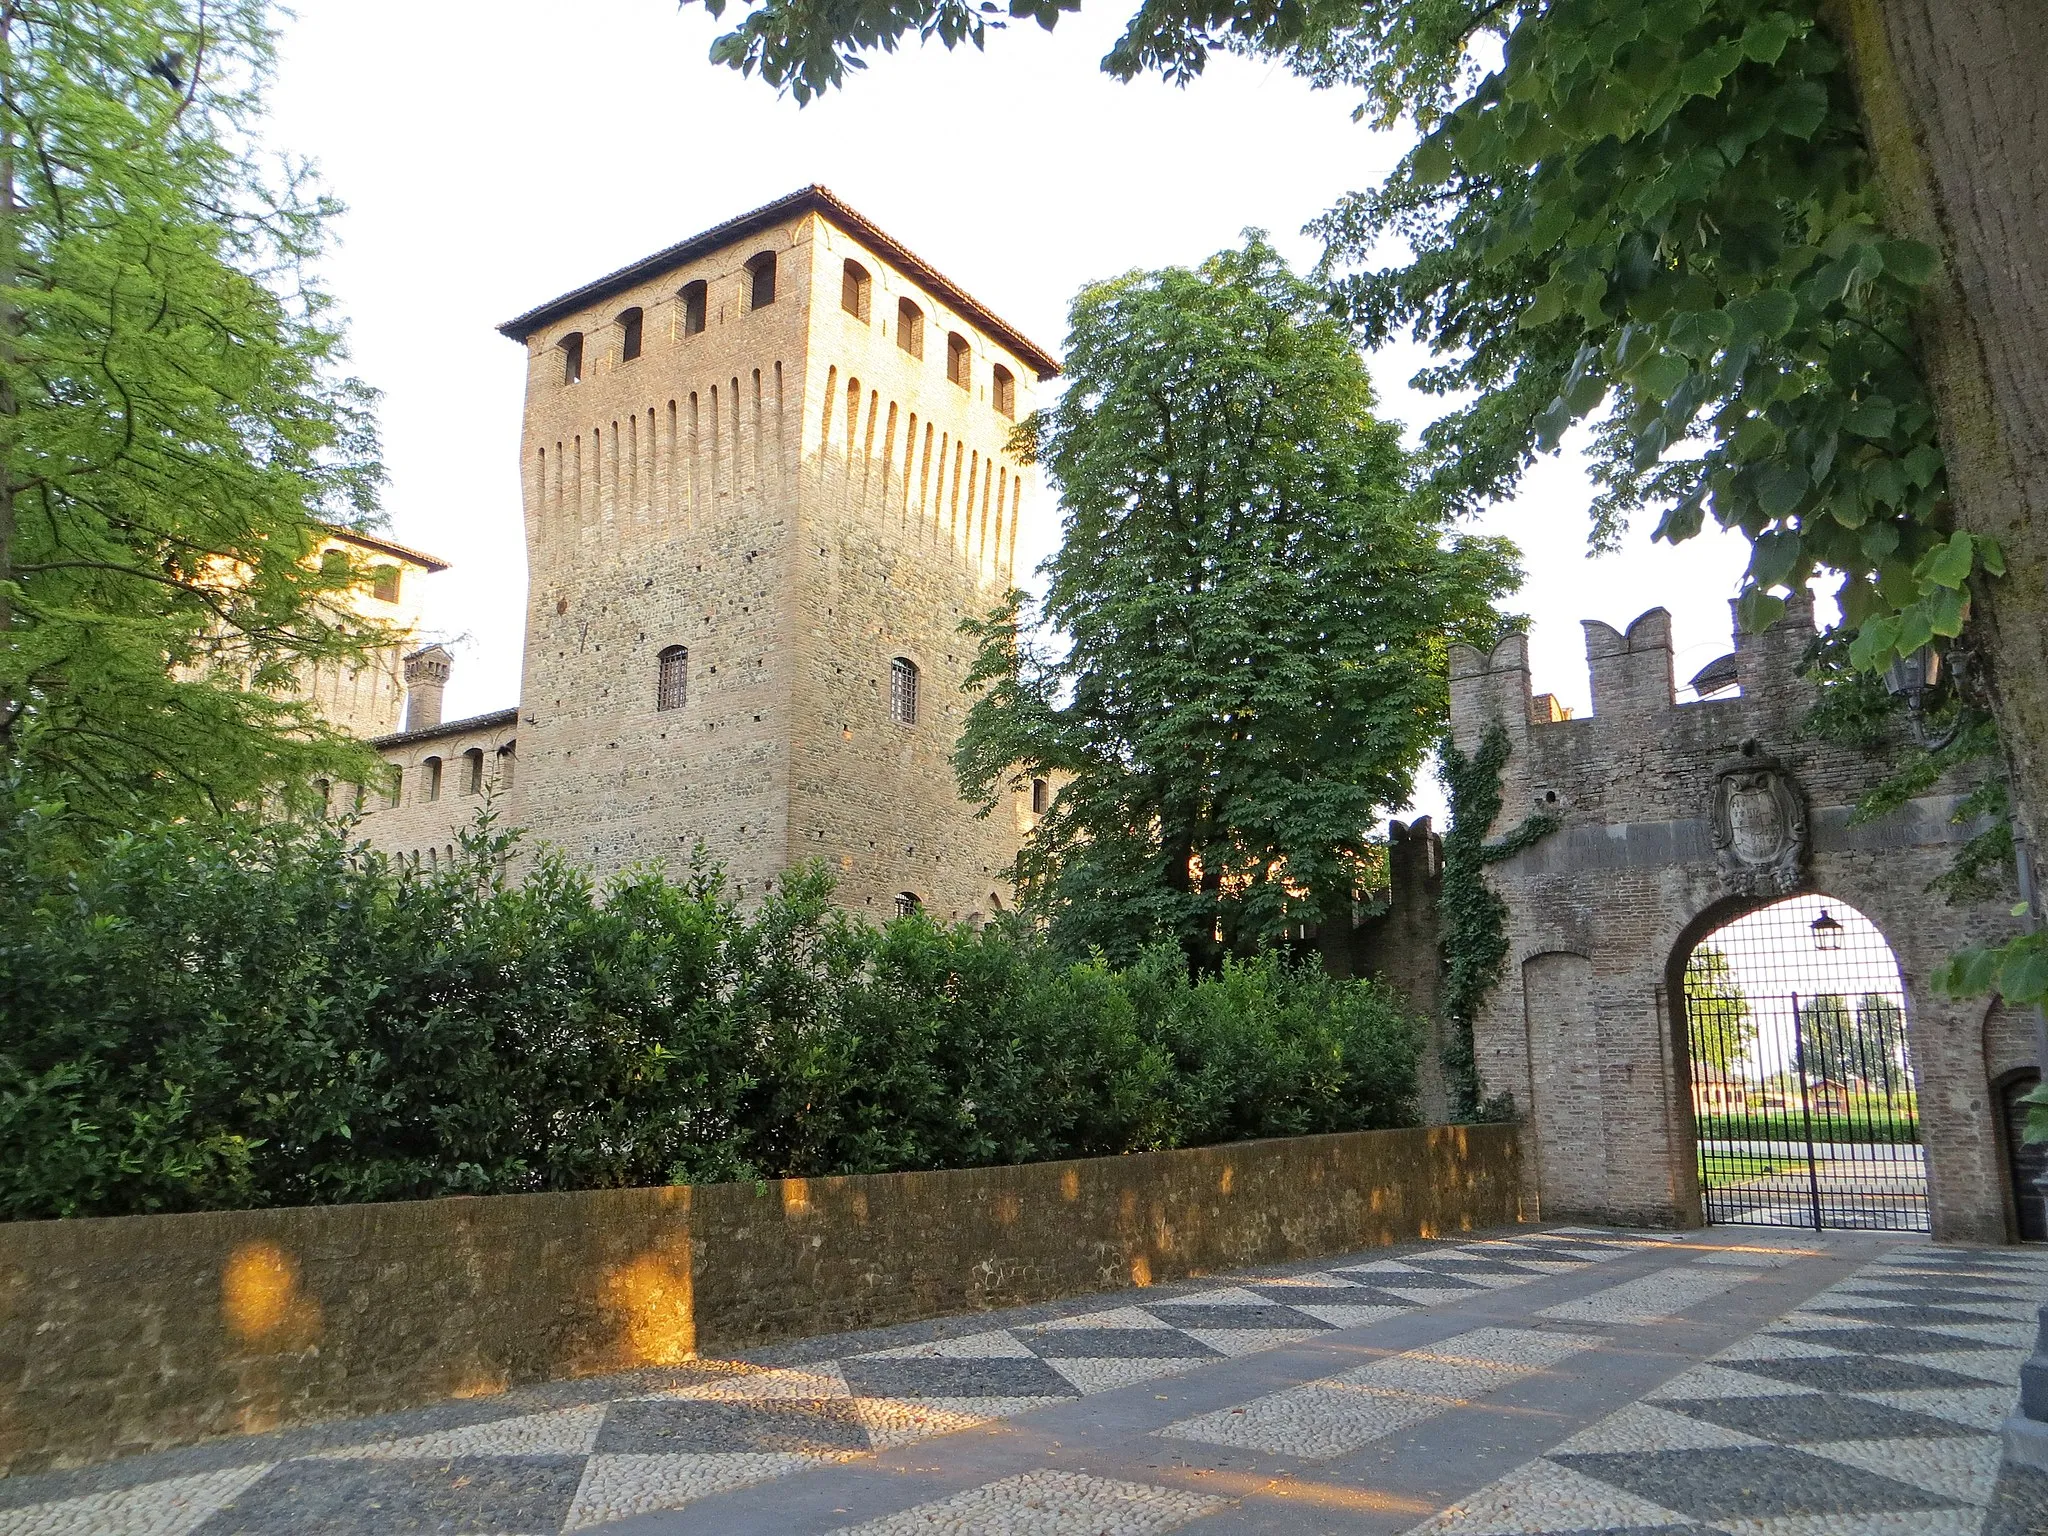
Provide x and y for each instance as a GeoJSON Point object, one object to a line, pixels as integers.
{"type": "Point", "coordinates": [766, 476]}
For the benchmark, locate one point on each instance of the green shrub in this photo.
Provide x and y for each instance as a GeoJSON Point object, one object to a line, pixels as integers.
{"type": "Point", "coordinates": [208, 1017]}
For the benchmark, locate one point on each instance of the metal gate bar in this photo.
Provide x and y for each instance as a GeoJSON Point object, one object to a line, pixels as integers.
{"type": "Point", "coordinates": [1803, 1098]}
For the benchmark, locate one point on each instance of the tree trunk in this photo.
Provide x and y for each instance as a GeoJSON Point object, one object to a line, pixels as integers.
{"type": "Point", "coordinates": [1956, 103]}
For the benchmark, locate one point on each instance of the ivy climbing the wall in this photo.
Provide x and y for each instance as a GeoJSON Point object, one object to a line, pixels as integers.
{"type": "Point", "coordinates": [1473, 930]}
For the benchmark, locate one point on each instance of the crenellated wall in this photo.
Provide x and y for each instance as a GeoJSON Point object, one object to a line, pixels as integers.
{"type": "Point", "coordinates": [1583, 1028]}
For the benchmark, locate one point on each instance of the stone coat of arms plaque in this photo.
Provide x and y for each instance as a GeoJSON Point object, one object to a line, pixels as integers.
{"type": "Point", "coordinates": [1759, 829]}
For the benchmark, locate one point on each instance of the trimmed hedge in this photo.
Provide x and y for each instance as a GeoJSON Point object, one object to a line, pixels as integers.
{"type": "Point", "coordinates": [241, 1015]}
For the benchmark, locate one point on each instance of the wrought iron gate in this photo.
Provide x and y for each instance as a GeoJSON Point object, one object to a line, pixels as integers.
{"type": "Point", "coordinates": [1803, 1098]}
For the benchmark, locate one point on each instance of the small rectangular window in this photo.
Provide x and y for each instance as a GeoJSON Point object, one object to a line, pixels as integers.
{"type": "Point", "coordinates": [695, 299]}
{"type": "Point", "coordinates": [903, 691]}
{"type": "Point", "coordinates": [1040, 796]}
{"type": "Point", "coordinates": [672, 678]}
{"type": "Point", "coordinates": [384, 583]}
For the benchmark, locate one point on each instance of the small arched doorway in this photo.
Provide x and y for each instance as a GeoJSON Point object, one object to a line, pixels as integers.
{"type": "Point", "coordinates": [1804, 1101]}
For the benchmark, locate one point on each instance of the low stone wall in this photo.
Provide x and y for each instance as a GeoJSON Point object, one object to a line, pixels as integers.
{"type": "Point", "coordinates": [134, 1333]}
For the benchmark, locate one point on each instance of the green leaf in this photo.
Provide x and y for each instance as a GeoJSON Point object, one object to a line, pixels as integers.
{"type": "Point", "coordinates": [1432, 164]}
{"type": "Point", "coordinates": [1659, 378]}
{"type": "Point", "coordinates": [1909, 261]}
{"type": "Point", "coordinates": [1780, 487]}
{"type": "Point", "coordinates": [1768, 314]}
{"type": "Point", "coordinates": [1757, 610]}
{"type": "Point", "coordinates": [1946, 610]}
{"type": "Point", "coordinates": [1948, 565]}
{"type": "Point", "coordinates": [1872, 417]}
{"type": "Point", "coordinates": [1773, 558]}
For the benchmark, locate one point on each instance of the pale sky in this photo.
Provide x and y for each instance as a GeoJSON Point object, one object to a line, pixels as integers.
{"type": "Point", "coordinates": [493, 156]}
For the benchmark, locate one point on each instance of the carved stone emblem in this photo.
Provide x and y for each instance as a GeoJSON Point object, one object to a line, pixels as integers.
{"type": "Point", "coordinates": [1759, 826]}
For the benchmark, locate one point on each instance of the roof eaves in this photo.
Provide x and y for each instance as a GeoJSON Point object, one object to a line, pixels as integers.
{"type": "Point", "coordinates": [386, 546]}
{"type": "Point", "coordinates": [812, 199]}
{"type": "Point", "coordinates": [448, 728]}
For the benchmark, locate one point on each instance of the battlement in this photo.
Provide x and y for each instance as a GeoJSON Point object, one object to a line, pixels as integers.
{"type": "Point", "coordinates": [1630, 672]}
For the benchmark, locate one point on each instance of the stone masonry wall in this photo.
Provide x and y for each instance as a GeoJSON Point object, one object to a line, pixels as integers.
{"type": "Point", "coordinates": [135, 1333]}
{"type": "Point", "coordinates": [1583, 1028]}
{"type": "Point", "coordinates": [798, 500]}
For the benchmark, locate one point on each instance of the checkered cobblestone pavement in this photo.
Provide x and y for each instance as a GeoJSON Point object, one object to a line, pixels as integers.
{"type": "Point", "coordinates": [1542, 1381]}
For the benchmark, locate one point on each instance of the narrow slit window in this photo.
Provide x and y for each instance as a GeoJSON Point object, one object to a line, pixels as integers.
{"type": "Point", "coordinates": [1041, 796]}
{"type": "Point", "coordinates": [696, 300]}
{"type": "Point", "coordinates": [629, 334]}
{"type": "Point", "coordinates": [1005, 392]}
{"type": "Point", "coordinates": [572, 357]}
{"type": "Point", "coordinates": [761, 280]}
{"type": "Point", "coordinates": [910, 327]}
{"type": "Point", "coordinates": [903, 691]}
{"type": "Point", "coordinates": [854, 289]}
{"type": "Point", "coordinates": [959, 360]}
{"type": "Point", "coordinates": [672, 681]}
{"type": "Point", "coordinates": [430, 779]}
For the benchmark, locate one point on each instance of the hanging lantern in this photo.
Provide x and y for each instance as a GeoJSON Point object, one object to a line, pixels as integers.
{"type": "Point", "coordinates": [1827, 933]}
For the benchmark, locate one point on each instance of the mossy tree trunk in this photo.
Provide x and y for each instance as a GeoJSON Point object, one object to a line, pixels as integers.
{"type": "Point", "coordinates": [1956, 102]}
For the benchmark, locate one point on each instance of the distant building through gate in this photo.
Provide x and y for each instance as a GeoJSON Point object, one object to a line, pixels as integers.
{"type": "Point", "coordinates": [1678, 819]}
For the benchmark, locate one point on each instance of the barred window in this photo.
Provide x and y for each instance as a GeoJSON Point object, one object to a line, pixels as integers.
{"type": "Point", "coordinates": [903, 691]}
{"type": "Point", "coordinates": [908, 902]}
{"type": "Point", "coordinates": [672, 686]}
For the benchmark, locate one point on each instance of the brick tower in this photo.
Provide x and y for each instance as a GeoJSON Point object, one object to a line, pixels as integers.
{"type": "Point", "coordinates": [765, 477]}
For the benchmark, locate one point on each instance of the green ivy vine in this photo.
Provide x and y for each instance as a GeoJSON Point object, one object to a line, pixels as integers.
{"type": "Point", "coordinates": [1472, 929]}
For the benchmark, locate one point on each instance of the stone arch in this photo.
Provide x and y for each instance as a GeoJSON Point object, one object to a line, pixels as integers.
{"type": "Point", "coordinates": [1674, 816]}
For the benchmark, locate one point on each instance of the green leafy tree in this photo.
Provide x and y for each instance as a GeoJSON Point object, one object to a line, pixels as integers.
{"type": "Point", "coordinates": [1242, 648]}
{"type": "Point", "coordinates": [1775, 252]}
{"type": "Point", "coordinates": [1722, 1028]}
{"type": "Point", "coordinates": [173, 429]}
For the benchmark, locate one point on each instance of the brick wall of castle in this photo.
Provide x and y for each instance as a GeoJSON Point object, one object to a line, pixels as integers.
{"type": "Point", "coordinates": [785, 500]}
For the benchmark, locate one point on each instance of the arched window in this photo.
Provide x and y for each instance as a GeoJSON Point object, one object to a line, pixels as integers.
{"type": "Point", "coordinates": [430, 779]}
{"type": "Point", "coordinates": [572, 356]}
{"type": "Point", "coordinates": [761, 280]}
{"type": "Point", "coordinates": [507, 756]}
{"type": "Point", "coordinates": [903, 691]}
{"type": "Point", "coordinates": [672, 681]}
{"type": "Point", "coordinates": [1041, 796]}
{"type": "Point", "coordinates": [326, 797]}
{"type": "Point", "coordinates": [959, 360]}
{"type": "Point", "coordinates": [910, 327]}
{"type": "Point", "coordinates": [394, 785]}
{"type": "Point", "coordinates": [629, 334]}
{"type": "Point", "coordinates": [908, 902]}
{"type": "Point", "coordinates": [696, 300]}
{"type": "Point", "coordinates": [854, 287]}
{"type": "Point", "coordinates": [473, 771]}
{"type": "Point", "coordinates": [1005, 391]}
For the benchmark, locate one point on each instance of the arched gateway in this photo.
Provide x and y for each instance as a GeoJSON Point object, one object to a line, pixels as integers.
{"type": "Point", "coordinates": [1687, 823]}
